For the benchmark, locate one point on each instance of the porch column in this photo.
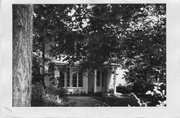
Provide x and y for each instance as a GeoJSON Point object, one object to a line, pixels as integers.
{"type": "Point", "coordinates": [70, 77]}
{"type": "Point", "coordinates": [77, 79]}
{"type": "Point", "coordinates": [87, 72]}
{"type": "Point", "coordinates": [65, 79]}
{"type": "Point", "coordinates": [115, 80]}
{"type": "Point", "coordinates": [101, 80]}
{"type": "Point", "coordinates": [85, 81]}
{"type": "Point", "coordinates": [95, 81]}
{"type": "Point", "coordinates": [108, 79]}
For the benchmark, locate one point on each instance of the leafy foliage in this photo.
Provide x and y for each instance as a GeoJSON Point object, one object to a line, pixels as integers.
{"type": "Point", "coordinates": [36, 76]}
{"type": "Point", "coordinates": [134, 34]}
{"type": "Point", "coordinates": [145, 50]}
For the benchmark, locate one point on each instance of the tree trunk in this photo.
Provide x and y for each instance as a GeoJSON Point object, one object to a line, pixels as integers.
{"type": "Point", "coordinates": [22, 54]}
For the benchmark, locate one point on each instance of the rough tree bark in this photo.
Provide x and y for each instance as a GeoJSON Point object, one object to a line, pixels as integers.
{"type": "Point", "coordinates": [22, 54]}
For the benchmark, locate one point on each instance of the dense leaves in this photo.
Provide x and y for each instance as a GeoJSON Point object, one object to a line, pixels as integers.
{"type": "Point", "coordinates": [145, 50]}
{"type": "Point", "coordinates": [132, 35]}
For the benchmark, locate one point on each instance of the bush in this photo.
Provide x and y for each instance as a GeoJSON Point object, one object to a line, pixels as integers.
{"type": "Point", "coordinates": [140, 87]}
{"type": "Point", "coordinates": [111, 90]}
{"type": "Point", "coordinates": [124, 89]}
{"type": "Point", "coordinates": [154, 96]}
{"type": "Point", "coordinates": [98, 94]}
{"type": "Point", "coordinates": [157, 96]}
{"type": "Point", "coordinates": [61, 92]}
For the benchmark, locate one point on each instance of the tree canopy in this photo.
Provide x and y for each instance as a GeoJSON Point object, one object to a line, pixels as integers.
{"type": "Point", "coordinates": [92, 34]}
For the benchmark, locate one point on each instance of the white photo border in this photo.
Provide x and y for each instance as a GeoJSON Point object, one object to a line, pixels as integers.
{"type": "Point", "coordinates": [173, 69]}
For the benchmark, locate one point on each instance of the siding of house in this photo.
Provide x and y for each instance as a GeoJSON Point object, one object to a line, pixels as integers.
{"type": "Point", "coordinates": [104, 80]}
{"type": "Point", "coordinates": [109, 77]}
{"type": "Point", "coordinates": [90, 82]}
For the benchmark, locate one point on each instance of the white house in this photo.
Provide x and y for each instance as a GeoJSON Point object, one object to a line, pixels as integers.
{"type": "Point", "coordinates": [88, 81]}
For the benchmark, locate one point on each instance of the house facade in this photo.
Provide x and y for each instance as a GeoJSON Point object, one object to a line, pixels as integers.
{"type": "Point", "coordinates": [88, 81]}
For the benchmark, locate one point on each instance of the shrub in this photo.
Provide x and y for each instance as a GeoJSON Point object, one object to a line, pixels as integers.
{"type": "Point", "coordinates": [140, 87]}
{"type": "Point", "coordinates": [154, 96]}
{"type": "Point", "coordinates": [55, 95]}
{"type": "Point", "coordinates": [124, 89]}
{"type": "Point", "coordinates": [157, 96]}
{"type": "Point", "coordinates": [62, 92]}
{"type": "Point", "coordinates": [111, 90]}
{"type": "Point", "coordinates": [56, 91]}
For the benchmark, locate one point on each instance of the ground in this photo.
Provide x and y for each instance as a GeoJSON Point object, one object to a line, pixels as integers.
{"type": "Point", "coordinates": [38, 99]}
{"type": "Point", "coordinates": [83, 101]}
{"type": "Point", "coordinates": [100, 101]}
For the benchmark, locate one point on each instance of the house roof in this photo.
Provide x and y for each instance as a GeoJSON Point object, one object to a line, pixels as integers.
{"type": "Point", "coordinates": [61, 61]}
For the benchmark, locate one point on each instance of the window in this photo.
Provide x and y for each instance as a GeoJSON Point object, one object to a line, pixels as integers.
{"type": "Point", "coordinates": [61, 79]}
{"type": "Point", "coordinates": [68, 77]}
{"type": "Point", "coordinates": [98, 78]}
{"type": "Point", "coordinates": [74, 78]}
{"type": "Point", "coordinates": [77, 78]}
{"type": "Point", "coordinates": [80, 82]}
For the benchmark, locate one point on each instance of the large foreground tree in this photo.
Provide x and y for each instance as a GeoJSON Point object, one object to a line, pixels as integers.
{"type": "Point", "coordinates": [22, 54]}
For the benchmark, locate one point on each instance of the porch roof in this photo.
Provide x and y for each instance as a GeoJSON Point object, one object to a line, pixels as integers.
{"type": "Point", "coordinates": [61, 61]}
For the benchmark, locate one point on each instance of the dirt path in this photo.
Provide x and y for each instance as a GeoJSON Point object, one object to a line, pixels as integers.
{"type": "Point", "coordinates": [83, 101]}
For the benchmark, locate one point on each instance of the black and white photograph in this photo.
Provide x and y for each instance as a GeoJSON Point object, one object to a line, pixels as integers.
{"type": "Point", "coordinates": [89, 55]}
{"type": "Point", "coordinates": [89, 59]}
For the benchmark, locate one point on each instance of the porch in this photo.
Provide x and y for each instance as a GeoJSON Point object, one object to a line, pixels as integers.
{"type": "Point", "coordinates": [86, 82]}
